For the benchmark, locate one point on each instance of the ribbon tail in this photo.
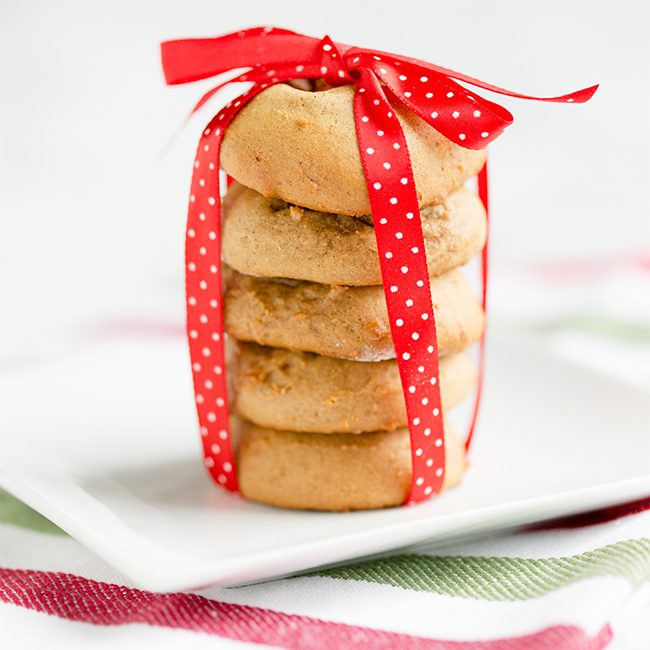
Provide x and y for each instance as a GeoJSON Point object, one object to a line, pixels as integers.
{"type": "Point", "coordinates": [400, 244]}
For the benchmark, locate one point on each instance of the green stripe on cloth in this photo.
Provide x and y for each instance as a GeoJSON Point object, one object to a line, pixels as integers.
{"type": "Point", "coordinates": [13, 511]}
{"type": "Point", "coordinates": [500, 578]}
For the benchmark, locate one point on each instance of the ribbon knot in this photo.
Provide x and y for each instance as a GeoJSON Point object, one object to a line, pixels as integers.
{"type": "Point", "coordinates": [333, 67]}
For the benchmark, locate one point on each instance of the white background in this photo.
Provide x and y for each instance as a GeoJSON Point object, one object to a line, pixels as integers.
{"type": "Point", "coordinates": [92, 216]}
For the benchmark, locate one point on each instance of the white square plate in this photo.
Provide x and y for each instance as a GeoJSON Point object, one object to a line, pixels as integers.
{"type": "Point", "coordinates": [103, 443]}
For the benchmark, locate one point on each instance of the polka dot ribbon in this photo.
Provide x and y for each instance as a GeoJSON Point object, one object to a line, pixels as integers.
{"type": "Point", "coordinates": [382, 80]}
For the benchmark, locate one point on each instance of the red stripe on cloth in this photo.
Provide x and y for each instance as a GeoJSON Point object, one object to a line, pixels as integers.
{"type": "Point", "coordinates": [79, 599]}
{"type": "Point", "coordinates": [595, 516]}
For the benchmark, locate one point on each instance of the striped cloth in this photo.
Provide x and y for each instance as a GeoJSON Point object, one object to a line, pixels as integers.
{"type": "Point", "coordinates": [581, 583]}
{"type": "Point", "coordinates": [576, 584]}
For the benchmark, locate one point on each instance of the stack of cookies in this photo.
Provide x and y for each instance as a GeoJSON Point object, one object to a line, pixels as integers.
{"type": "Point", "coordinates": [319, 420]}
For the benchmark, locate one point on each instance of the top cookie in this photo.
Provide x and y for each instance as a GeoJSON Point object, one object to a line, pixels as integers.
{"type": "Point", "coordinates": [301, 147]}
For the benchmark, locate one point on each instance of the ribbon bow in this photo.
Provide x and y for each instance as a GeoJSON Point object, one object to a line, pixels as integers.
{"type": "Point", "coordinates": [270, 55]}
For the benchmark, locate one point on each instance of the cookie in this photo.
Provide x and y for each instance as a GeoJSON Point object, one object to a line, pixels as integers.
{"type": "Point", "coordinates": [301, 146]}
{"type": "Point", "coordinates": [311, 471]}
{"type": "Point", "coordinates": [339, 321]}
{"type": "Point", "coordinates": [271, 238]}
{"type": "Point", "coordinates": [302, 391]}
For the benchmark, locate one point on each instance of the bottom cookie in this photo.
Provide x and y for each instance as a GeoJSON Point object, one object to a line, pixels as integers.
{"type": "Point", "coordinates": [310, 471]}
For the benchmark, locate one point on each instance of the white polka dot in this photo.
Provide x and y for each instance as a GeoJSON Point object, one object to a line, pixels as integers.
{"type": "Point", "coordinates": [409, 302]}
{"type": "Point", "coordinates": [383, 221]}
{"type": "Point", "coordinates": [430, 349]}
{"type": "Point", "coordinates": [430, 462]}
{"type": "Point", "coordinates": [212, 200]}
{"type": "Point", "coordinates": [203, 318]}
{"type": "Point", "coordinates": [439, 472]}
{"type": "Point", "coordinates": [461, 136]}
{"type": "Point", "coordinates": [203, 250]}
{"type": "Point", "coordinates": [206, 352]}
{"type": "Point", "coordinates": [194, 334]}
{"type": "Point", "coordinates": [227, 467]}
{"type": "Point", "coordinates": [415, 336]}
{"type": "Point", "coordinates": [415, 250]}
{"type": "Point", "coordinates": [196, 367]}
{"type": "Point", "coordinates": [365, 118]}
{"type": "Point", "coordinates": [208, 384]}
{"type": "Point", "coordinates": [215, 448]}
{"type": "Point", "coordinates": [420, 368]}
{"type": "Point", "coordinates": [375, 102]}
{"type": "Point", "coordinates": [450, 94]}
{"type": "Point", "coordinates": [407, 94]}
{"type": "Point", "coordinates": [402, 77]}
{"type": "Point", "coordinates": [202, 182]}
{"type": "Point", "coordinates": [455, 114]}
{"type": "Point", "coordinates": [425, 316]}
{"type": "Point", "coordinates": [404, 180]}
{"type": "Point", "coordinates": [427, 432]}
{"type": "Point", "coordinates": [388, 255]}
{"type": "Point", "coordinates": [213, 268]}
{"type": "Point", "coordinates": [191, 301]}
{"type": "Point", "coordinates": [424, 79]}
{"type": "Point", "coordinates": [212, 235]}
{"type": "Point", "coordinates": [484, 134]}
{"type": "Point", "coordinates": [418, 451]}
{"type": "Point", "coordinates": [300, 68]}
{"type": "Point", "coordinates": [409, 215]}
{"type": "Point", "coordinates": [416, 421]}
{"type": "Point", "coordinates": [218, 370]}
{"type": "Point", "coordinates": [429, 95]}
{"type": "Point", "coordinates": [420, 283]}
{"type": "Point", "coordinates": [199, 398]}
{"type": "Point", "coordinates": [192, 198]}
{"type": "Point", "coordinates": [380, 133]}
{"type": "Point", "coordinates": [327, 47]}
{"type": "Point", "coordinates": [399, 235]}
{"type": "Point", "coordinates": [204, 431]}
{"type": "Point", "coordinates": [476, 113]}
{"type": "Point", "coordinates": [396, 145]}
{"type": "Point", "coordinates": [377, 186]}
{"type": "Point", "coordinates": [203, 284]}
{"type": "Point", "coordinates": [223, 434]}
{"type": "Point", "coordinates": [209, 462]}
{"type": "Point", "coordinates": [433, 381]}
{"type": "Point", "coordinates": [399, 322]}
{"type": "Point", "coordinates": [370, 150]}
{"type": "Point", "coordinates": [386, 165]}
{"type": "Point", "coordinates": [215, 336]}
{"type": "Point", "coordinates": [405, 269]}
{"type": "Point", "coordinates": [221, 478]}
{"type": "Point", "coordinates": [191, 232]}
{"type": "Point", "coordinates": [425, 401]}
{"type": "Point", "coordinates": [212, 417]}
{"type": "Point", "coordinates": [420, 481]}
{"type": "Point", "coordinates": [436, 412]}
{"type": "Point", "coordinates": [411, 389]}
{"type": "Point", "coordinates": [202, 216]}
{"type": "Point", "coordinates": [220, 402]}
{"type": "Point", "coordinates": [191, 266]}
{"type": "Point", "coordinates": [213, 303]}
{"type": "Point", "coordinates": [434, 114]}
{"type": "Point", "coordinates": [406, 356]}
{"type": "Point", "coordinates": [393, 289]}
{"type": "Point", "coordinates": [389, 114]}
{"type": "Point", "coordinates": [438, 442]}
{"type": "Point", "coordinates": [393, 200]}
{"type": "Point", "coordinates": [428, 490]}
{"type": "Point", "coordinates": [323, 69]}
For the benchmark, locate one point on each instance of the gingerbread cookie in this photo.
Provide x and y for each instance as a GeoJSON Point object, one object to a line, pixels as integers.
{"type": "Point", "coordinates": [271, 238]}
{"type": "Point", "coordinates": [311, 471]}
{"type": "Point", "coordinates": [338, 321]}
{"type": "Point", "coordinates": [301, 146]}
{"type": "Point", "coordinates": [302, 391]}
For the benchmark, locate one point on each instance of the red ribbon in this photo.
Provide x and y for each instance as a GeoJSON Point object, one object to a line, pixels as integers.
{"type": "Point", "coordinates": [270, 56]}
